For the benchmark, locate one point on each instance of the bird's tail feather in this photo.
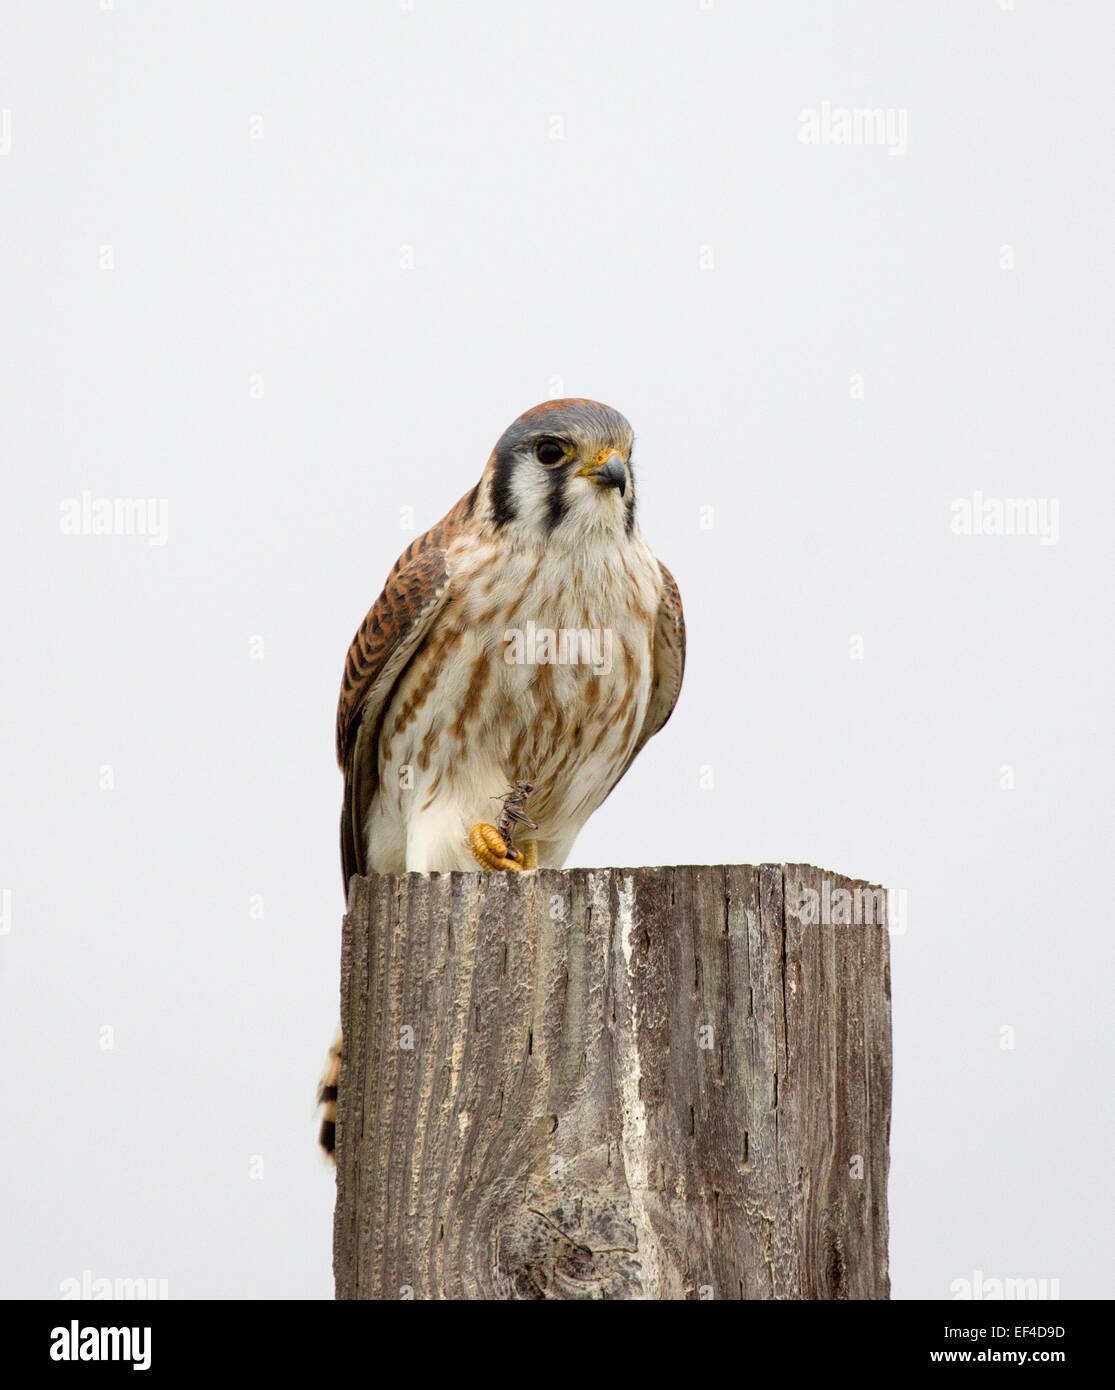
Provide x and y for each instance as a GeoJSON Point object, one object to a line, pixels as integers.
{"type": "Point", "coordinates": [327, 1099]}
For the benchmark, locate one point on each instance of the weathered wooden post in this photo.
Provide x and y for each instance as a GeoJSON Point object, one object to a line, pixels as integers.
{"type": "Point", "coordinates": [614, 1083]}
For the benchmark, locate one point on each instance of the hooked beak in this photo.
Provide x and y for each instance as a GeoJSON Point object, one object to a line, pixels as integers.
{"type": "Point", "coordinates": [609, 471]}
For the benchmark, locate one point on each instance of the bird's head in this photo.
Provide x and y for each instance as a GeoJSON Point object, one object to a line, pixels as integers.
{"type": "Point", "coordinates": [561, 474]}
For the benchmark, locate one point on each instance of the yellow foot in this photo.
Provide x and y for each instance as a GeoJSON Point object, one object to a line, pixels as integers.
{"type": "Point", "coordinates": [491, 850]}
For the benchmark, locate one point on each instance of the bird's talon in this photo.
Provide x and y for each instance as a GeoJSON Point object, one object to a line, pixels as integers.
{"type": "Point", "coordinates": [490, 849]}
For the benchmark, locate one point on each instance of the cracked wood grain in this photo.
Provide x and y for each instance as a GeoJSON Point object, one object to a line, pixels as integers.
{"type": "Point", "coordinates": [659, 1083]}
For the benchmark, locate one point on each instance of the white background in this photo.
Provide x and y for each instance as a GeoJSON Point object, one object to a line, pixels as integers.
{"type": "Point", "coordinates": [853, 360]}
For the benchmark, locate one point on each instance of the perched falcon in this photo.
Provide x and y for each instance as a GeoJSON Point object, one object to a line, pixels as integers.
{"type": "Point", "coordinates": [530, 637]}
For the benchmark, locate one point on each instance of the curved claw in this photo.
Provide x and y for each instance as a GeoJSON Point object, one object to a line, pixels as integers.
{"type": "Point", "coordinates": [490, 849]}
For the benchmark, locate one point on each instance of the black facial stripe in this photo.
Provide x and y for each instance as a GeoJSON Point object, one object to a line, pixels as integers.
{"type": "Point", "coordinates": [470, 505]}
{"type": "Point", "coordinates": [629, 508]}
{"type": "Point", "coordinates": [556, 502]}
{"type": "Point", "coordinates": [503, 502]}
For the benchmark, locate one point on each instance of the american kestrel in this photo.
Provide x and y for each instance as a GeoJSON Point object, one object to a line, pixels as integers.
{"type": "Point", "coordinates": [530, 638]}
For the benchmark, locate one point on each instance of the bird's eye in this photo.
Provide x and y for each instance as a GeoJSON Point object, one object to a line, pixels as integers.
{"type": "Point", "coordinates": [549, 452]}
